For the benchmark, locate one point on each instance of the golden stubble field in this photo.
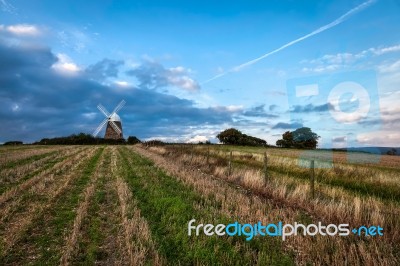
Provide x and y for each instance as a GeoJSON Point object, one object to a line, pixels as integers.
{"type": "Point", "coordinates": [130, 205]}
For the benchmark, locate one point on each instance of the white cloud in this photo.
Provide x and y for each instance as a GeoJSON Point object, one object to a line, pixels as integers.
{"type": "Point", "coordinates": [178, 76]}
{"type": "Point", "coordinates": [65, 65]}
{"type": "Point", "coordinates": [389, 121]}
{"type": "Point", "coordinates": [24, 29]}
{"type": "Point", "coordinates": [121, 83]}
{"type": "Point", "coordinates": [152, 74]}
{"type": "Point", "coordinates": [15, 108]}
{"type": "Point", "coordinates": [90, 115]}
{"type": "Point", "coordinates": [390, 67]}
{"type": "Point", "coordinates": [183, 82]}
{"type": "Point", "coordinates": [178, 70]}
{"type": "Point", "coordinates": [21, 30]}
{"type": "Point", "coordinates": [197, 139]}
{"type": "Point", "coordinates": [384, 50]}
{"type": "Point", "coordinates": [229, 108]}
{"type": "Point", "coordinates": [333, 62]}
{"type": "Point", "coordinates": [234, 108]}
{"type": "Point", "coordinates": [381, 138]}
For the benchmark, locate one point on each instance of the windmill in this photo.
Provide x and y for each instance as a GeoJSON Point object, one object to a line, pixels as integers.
{"type": "Point", "coordinates": [114, 126]}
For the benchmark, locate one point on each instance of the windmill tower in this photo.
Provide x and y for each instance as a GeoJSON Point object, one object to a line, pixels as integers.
{"type": "Point", "coordinates": [113, 121]}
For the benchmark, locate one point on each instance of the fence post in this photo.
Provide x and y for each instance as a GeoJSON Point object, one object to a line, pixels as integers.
{"type": "Point", "coordinates": [208, 156]}
{"type": "Point", "coordinates": [191, 155]}
{"type": "Point", "coordinates": [265, 168]}
{"type": "Point", "coordinates": [312, 179]}
{"type": "Point", "coordinates": [230, 164]}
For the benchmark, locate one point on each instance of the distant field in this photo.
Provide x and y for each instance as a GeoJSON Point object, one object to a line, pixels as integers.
{"type": "Point", "coordinates": [130, 205]}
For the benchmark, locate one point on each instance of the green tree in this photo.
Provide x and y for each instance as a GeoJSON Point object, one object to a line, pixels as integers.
{"type": "Point", "coordinates": [301, 138]}
{"type": "Point", "coordinates": [392, 151]}
{"type": "Point", "coordinates": [304, 138]}
{"type": "Point", "coordinates": [230, 136]}
{"type": "Point", "coordinates": [233, 136]}
{"type": "Point", "coordinates": [286, 141]}
{"type": "Point", "coordinates": [13, 142]}
{"type": "Point", "coordinates": [133, 140]}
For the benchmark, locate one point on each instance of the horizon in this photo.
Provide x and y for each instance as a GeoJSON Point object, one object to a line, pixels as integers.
{"type": "Point", "coordinates": [188, 71]}
{"type": "Point", "coordinates": [359, 149]}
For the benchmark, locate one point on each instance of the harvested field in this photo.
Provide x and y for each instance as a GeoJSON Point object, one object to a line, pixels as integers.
{"type": "Point", "coordinates": [130, 205]}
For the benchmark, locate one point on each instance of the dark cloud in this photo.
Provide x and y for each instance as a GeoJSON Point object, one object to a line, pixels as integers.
{"type": "Point", "coordinates": [339, 139]}
{"type": "Point", "coordinates": [153, 75]}
{"type": "Point", "coordinates": [371, 121]}
{"type": "Point", "coordinates": [309, 108]}
{"type": "Point", "coordinates": [21, 58]}
{"type": "Point", "coordinates": [389, 120]}
{"type": "Point", "coordinates": [36, 101]}
{"type": "Point", "coordinates": [104, 69]}
{"type": "Point", "coordinates": [258, 111]}
{"type": "Point", "coordinates": [283, 125]}
{"type": "Point", "coordinates": [243, 123]}
{"type": "Point", "coordinates": [272, 107]}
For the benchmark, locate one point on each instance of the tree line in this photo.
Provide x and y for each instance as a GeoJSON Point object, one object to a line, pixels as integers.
{"type": "Point", "coordinates": [85, 139]}
{"type": "Point", "coordinates": [301, 138]}
{"type": "Point", "coordinates": [232, 136]}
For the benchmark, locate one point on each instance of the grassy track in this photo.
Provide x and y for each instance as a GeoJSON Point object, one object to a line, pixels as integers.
{"type": "Point", "coordinates": [97, 242]}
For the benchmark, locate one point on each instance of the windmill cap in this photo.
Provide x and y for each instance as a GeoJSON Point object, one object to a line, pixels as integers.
{"type": "Point", "coordinates": [115, 117]}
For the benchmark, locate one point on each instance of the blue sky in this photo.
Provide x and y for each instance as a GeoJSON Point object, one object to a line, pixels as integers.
{"type": "Point", "coordinates": [179, 66]}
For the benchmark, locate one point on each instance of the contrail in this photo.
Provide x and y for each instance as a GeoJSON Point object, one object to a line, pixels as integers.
{"type": "Point", "coordinates": [319, 30]}
{"type": "Point", "coordinates": [6, 7]}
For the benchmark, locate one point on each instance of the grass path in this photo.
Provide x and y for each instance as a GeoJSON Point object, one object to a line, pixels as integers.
{"type": "Point", "coordinates": [137, 244]}
{"type": "Point", "coordinates": [98, 239]}
{"type": "Point", "coordinates": [108, 228]}
{"type": "Point", "coordinates": [69, 249]}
